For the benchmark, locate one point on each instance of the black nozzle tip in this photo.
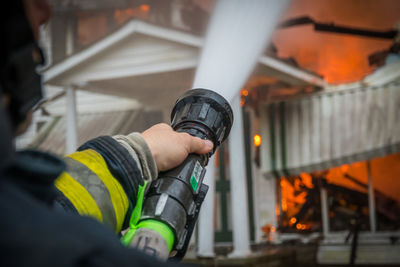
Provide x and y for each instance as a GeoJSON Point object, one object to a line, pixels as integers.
{"type": "Point", "coordinates": [203, 109]}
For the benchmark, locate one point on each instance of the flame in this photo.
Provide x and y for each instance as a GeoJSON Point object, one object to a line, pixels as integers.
{"type": "Point", "coordinates": [339, 58]}
{"type": "Point", "coordinates": [277, 210]}
{"type": "Point", "coordinates": [284, 204]}
{"type": "Point", "coordinates": [145, 8]}
{"type": "Point", "coordinates": [291, 201]}
{"type": "Point", "coordinates": [306, 179]}
{"type": "Point", "coordinates": [358, 171]}
{"type": "Point", "coordinates": [244, 92]}
{"type": "Point", "coordinates": [344, 168]}
{"type": "Point", "coordinates": [242, 102]}
{"type": "Point", "coordinates": [293, 197]}
{"type": "Point", "coordinates": [257, 140]}
{"type": "Point", "coordinates": [123, 15]}
{"type": "Point", "coordinates": [384, 172]}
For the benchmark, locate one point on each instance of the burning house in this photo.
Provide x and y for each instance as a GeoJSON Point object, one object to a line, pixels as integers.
{"type": "Point", "coordinates": [330, 155]}
{"type": "Point", "coordinates": [332, 158]}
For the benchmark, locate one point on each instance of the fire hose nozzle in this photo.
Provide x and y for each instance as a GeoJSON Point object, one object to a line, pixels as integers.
{"type": "Point", "coordinates": [176, 196]}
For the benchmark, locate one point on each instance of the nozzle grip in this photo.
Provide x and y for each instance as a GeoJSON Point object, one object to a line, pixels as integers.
{"type": "Point", "coordinates": [175, 198]}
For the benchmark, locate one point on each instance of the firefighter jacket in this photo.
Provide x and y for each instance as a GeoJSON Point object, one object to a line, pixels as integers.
{"type": "Point", "coordinates": [99, 181]}
{"type": "Point", "coordinates": [102, 178]}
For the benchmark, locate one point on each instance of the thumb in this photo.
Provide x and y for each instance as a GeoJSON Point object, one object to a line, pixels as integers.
{"type": "Point", "coordinates": [200, 146]}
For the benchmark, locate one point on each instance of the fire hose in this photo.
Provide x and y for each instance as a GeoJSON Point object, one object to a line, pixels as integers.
{"type": "Point", "coordinates": [164, 222]}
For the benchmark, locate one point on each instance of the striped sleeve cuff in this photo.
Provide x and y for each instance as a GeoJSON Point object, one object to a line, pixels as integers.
{"type": "Point", "coordinates": [140, 151]}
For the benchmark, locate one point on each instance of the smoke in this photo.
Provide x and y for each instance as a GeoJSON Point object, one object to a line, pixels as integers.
{"type": "Point", "coordinates": [238, 33]}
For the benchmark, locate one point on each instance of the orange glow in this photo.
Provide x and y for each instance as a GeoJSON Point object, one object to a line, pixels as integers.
{"type": "Point", "coordinates": [243, 94]}
{"type": "Point", "coordinates": [277, 210]}
{"type": "Point", "coordinates": [290, 201]}
{"type": "Point", "coordinates": [123, 15]}
{"type": "Point", "coordinates": [293, 192]}
{"type": "Point", "coordinates": [306, 179]}
{"type": "Point", "coordinates": [337, 176]}
{"type": "Point", "coordinates": [284, 205]}
{"type": "Point", "coordinates": [344, 168]}
{"type": "Point", "coordinates": [338, 57]}
{"type": "Point", "coordinates": [273, 229]}
{"type": "Point", "coordinates": [293, 197]}
{"type": "Point", "coordinates": [145, 8]}
{"type": "Point", "coordinates": [266, 228]}
{"type": "Point", "coordinates": [257, 140]}
{"type": "Point", "coordinates": [301, 226]}
{"type": "Point", "coordinates": [357, 164]}
{"type": "Point", "coordinates": [385, 172]}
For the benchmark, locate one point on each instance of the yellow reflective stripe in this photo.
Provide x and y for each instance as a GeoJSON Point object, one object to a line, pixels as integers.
{"type": "Point", "coordinates": [78, 195]}
{"type": "Point", "coordinates": [95, 162]}
{"type": "Point", "coordinates": [96, 188]}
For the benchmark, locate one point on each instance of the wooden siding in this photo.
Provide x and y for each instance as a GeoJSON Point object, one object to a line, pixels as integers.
{"type": "Point", "coordinates": [330, 129]}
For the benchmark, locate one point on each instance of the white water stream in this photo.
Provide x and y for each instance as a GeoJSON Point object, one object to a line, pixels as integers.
{"type": "Point", "coordinates": [238, 33]}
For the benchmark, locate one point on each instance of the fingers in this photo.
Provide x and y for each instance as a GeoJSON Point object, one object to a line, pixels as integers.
{"type": "Point", "coordinates": [197, 145]}
{"type": "Point", "coordinates": [192, 144]}
{"type": "Point", "coordinates": [169, 148]}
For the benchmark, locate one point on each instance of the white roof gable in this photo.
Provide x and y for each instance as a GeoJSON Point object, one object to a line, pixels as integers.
{"type": "Point", "coordinates": [137, 48]}
{"type": "Point", "coordinates": [149, 63]}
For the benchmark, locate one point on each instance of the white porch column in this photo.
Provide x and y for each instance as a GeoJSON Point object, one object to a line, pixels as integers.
{"type": "Point", "coordinates": [71, 139]}
{"type": "Point", "coordinates": [324, 211]}
{"type": "Point", "coordinates": [206, 218]}
{"type": "Point", "coordinates": [69, 37]}
{"type": "Point", "coordinates": [371, 200]}
{"type": "Point", "coordinates": [240, 217]}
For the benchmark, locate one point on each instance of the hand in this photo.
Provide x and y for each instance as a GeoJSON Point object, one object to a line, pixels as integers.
{"type": "Point", "coordinates": [170, 148]}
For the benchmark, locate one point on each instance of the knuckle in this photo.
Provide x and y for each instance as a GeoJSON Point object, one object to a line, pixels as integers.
{"type": "Point", "coordinates": [185, 137]}
{"type": "Point", "coordinates": [163, 126]}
